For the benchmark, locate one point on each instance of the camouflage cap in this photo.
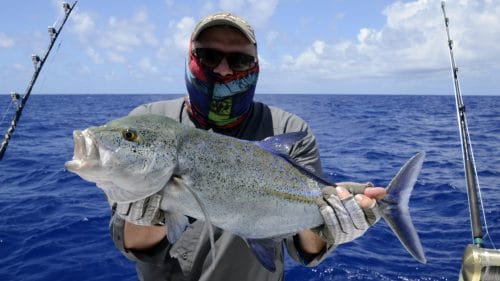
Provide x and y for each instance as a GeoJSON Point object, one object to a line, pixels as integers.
{"type": "Point", "coordinates": [225, 18]}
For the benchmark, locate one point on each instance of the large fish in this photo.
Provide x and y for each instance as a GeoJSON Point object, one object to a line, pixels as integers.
{"type": "Point", "coordinates": [252, 189]}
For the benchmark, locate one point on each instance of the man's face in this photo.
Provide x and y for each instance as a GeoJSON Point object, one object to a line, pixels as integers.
{"type": "Point", "coordinates": [225, 39]}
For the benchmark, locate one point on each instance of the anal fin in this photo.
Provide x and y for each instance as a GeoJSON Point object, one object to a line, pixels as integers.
{"type": "Point", "coordinates": [176, 224]}
{"type": "Point", "coordinates": [264, 250]}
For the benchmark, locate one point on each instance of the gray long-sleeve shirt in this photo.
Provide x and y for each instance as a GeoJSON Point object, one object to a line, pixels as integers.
{"type": "Point", "coordinates": [190, 257]}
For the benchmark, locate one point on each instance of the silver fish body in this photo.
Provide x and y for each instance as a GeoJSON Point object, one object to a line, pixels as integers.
{"type": "Point", "coordinates": [246, 189]}
{"type": "Point", "coordinates": [251, 189]}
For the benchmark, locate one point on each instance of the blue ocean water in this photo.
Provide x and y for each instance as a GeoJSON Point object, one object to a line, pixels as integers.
{"type": "Point", "coordinates": [53, 225]}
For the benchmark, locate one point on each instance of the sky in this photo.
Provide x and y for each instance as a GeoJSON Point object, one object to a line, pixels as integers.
{"type": "Point", "coordinates": [304, 46]}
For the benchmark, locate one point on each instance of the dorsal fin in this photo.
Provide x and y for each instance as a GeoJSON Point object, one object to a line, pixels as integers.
{"type": "Point", "coordinates": [281, 144]}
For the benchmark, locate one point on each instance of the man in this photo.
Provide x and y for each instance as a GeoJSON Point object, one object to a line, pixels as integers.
{"type": "Point", "coordinates": [221, 75]}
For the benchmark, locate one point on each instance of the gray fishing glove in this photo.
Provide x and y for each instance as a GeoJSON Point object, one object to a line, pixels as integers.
{"type": "Point", "coordinates": [344, 219]}
{"type": "Point", "coordinates": [143, 212]}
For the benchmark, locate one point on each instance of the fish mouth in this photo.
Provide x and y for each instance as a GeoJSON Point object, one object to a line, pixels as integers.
{"type": "Point", "coordinates": [86, 152]}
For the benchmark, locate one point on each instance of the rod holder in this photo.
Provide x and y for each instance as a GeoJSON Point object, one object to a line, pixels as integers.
{"type": "Point", "coordinates": [52, 32]}
{"type": "Point", "coordinates": [36, 60]}
{"type": "Point", "coordinates": [15, 96]}
{"type": "Point", "coordinates": [66, 7]}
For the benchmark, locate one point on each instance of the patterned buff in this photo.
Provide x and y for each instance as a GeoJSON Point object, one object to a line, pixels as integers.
{"type": "Point", "coordinates": [220, 102]}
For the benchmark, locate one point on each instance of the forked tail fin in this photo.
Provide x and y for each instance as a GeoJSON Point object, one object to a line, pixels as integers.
{"type": "Point", "coordinates": [394, 206]}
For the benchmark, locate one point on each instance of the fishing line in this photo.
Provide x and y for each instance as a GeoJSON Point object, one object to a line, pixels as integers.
{"type": "Point", "coordinates": [48, 63]}
{"type": "Point", "coordinates": [55, 52]}
{"type": "Point", "coordinates": [486, 228]}
{"type": "Point", "coordinates": [56, 23]}
{"type": "Point", "coordinates": [208, 222]}
{"type": "Point", "coordinates": [7, 110]}
{"type": "Point", "coordinates": [479, 191]}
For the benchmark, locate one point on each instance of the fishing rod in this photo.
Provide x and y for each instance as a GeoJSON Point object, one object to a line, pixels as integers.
{"type": "Point", "coordinates": [477, 263]}
{"type": "Point", "coordinates": [468, 158]}
{"type": "Point", "coordinates": [38, 64]}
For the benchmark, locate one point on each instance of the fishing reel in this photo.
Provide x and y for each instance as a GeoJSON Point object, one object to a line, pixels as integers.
{"type": "Point", "coordinates": [480, 264]}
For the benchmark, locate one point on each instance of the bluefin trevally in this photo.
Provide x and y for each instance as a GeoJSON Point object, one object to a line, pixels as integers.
{"type": "Point", "coordinates": [252, 189]}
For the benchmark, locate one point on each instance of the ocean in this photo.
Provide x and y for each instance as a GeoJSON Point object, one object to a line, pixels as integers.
{"type": "Point", "coordinates": [54, 225]}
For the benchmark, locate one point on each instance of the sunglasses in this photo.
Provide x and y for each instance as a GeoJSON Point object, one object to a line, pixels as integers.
{"type": "Point", "coordinates": [237, 61]}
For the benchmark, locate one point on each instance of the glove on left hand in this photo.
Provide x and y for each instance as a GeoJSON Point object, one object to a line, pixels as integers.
{"type": "Point", "coordinates": [143, 212]}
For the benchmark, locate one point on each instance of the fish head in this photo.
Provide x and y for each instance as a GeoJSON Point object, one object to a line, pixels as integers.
{"type": "Point", "coordinates": [129, 158]}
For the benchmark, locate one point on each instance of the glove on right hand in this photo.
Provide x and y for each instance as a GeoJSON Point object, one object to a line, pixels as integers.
{"type": "Point", "coordinates": [344, 219]}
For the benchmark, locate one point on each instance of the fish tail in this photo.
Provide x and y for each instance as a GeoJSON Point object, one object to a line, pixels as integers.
{"type": "Point", "coordinates": [394, 206]}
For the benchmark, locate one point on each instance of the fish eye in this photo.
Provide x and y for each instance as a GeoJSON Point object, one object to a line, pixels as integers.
{"type": "Point", "coordinates": [130, 135]}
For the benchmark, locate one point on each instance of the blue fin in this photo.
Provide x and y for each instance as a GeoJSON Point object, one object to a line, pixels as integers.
{"type": "Point", "coordinates": [176, 224]}
{"type": "Point", "coordinates": [280, 145]}
{"type": "Point", "coordinates": [264, 250]}
{"type": "Point", "coordinates": [394, 206]}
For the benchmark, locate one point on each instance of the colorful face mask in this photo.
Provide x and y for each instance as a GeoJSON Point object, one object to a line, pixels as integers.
{"type": "Point", "coordinates": [219, 101]}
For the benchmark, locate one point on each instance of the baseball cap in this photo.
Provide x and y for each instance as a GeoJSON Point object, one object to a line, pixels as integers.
{"type": "Point", "coordinates": [225, 18]}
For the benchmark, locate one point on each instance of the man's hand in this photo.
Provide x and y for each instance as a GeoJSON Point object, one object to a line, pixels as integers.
{"type": "Point", "coordinates": [143, 212]}
{"type": "Point", "coordinates": [143, 222]}
{"type": "Point", "coordinates": [142, 237]}
{"type": "Point", "coordinates": [348, 215]}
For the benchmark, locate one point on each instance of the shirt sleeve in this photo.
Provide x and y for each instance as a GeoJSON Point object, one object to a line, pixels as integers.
{"type": "Point", "coordinates": [169, 108]}
{"type": "Point", "coordinates": [157, 255]}
{"type": "Point", "coordinates": [304, 259]}
{"type": "Point", "coordinates": [304, 152]}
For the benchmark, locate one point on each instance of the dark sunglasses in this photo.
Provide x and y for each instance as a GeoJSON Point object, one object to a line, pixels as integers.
{"type": "Point", "coordinates": [237, 61]}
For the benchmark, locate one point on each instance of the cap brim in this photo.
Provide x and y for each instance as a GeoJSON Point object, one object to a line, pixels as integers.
{"type": "Point", "coordinates": [225, 19]}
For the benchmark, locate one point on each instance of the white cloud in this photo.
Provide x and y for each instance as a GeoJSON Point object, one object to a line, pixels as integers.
{"type": "Point", "coordinates": [146, 66]}
{"type": "Point", "coordinates": [182, 33]}
{"type": "Point", "coordinates": [5, 41]}
{"type": "Point", "coordinates": [312, 56]}
{"type": "Point", "coordinates": [367, 37]}
{"type": "Point", "coordinates": [263, 63]}
{"type": "Point", "coordinates": [111, 76]}
{"type": "Point", "coordinates": [116, 57]}
{"type": "Point", "coordinates": [84, 69]}
{"type": "Point", "coordinates": [232, 5]}
{"type": "Point", "coordinates": [93, 55]}
{"type": "Point", "coordinates": [175, 45]}
{"type": "Point", "coordinates": [124, 35]}
{"type": "Point", "coordinates": [261, 11]}
{"type": "Point", "coordinates": [83, 25]}
{"type": "Point", "coordinates": [207, 8]}
{"type": "Point", "coordinates": [167, 79]}
{"type": "Point", "coordinates": [169, 3]}
{"type": "Point", "coordinates": [119, 35]}
{"type": "Point", "coordinates": [257, 12]}
{"type": "Point", "coordinates": [59, 7]}
{"type": "Point", "coordinates": [270, 37]}
{"type": "Point", "coordinates": [412, 42]}
{"type": "Point", "coordinates": [20, 67]}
